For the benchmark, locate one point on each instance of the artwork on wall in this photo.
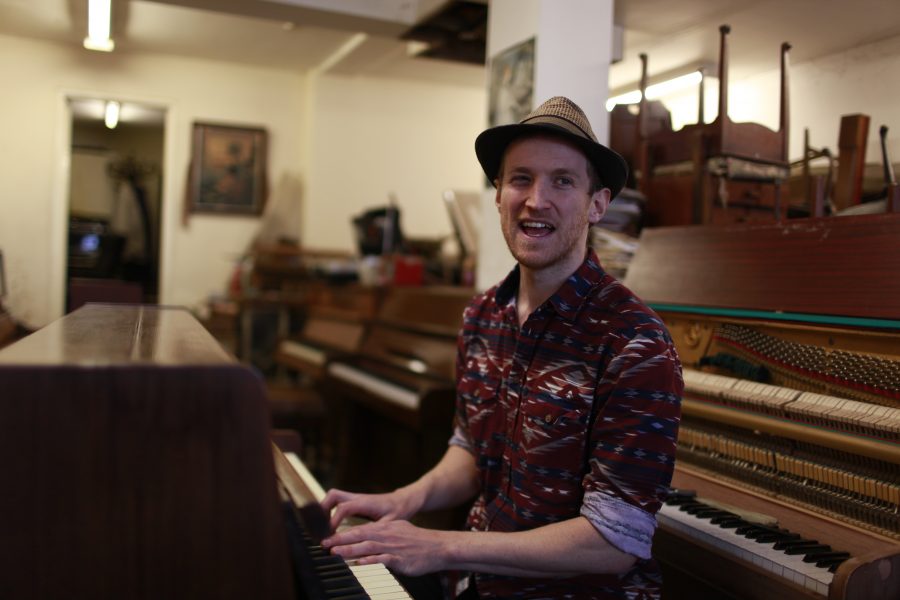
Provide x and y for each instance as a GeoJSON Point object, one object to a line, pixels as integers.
{"type": "Point", "coordinates": [228, 170]}
{"type": "Point", "coordinates": [512, 84]}
{"type": "Point", "coordinates": [2, 278]}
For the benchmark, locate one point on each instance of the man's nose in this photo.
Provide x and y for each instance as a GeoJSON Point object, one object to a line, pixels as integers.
{"type": "Point", "coordinates": [538, 196]}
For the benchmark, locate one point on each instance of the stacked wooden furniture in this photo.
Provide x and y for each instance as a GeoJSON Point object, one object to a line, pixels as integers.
{"type": "Point", "coordinates": [718, 172]}
{"type": "Point", "coordinates": [790, 339]}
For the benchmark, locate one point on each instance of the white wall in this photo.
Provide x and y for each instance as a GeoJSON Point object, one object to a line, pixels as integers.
{"type": "Point", "coordinates": [376, 137]}
{"type": "Point", "coordinates": [196, 257]}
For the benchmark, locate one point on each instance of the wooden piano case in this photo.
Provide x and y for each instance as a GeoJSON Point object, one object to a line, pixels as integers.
{"type": "Point", "coordinates": [790, 339]}
{"type": "Point", "coordinates": [136, 463]}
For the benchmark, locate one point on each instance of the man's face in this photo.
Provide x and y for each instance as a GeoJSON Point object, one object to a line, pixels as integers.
{"type": "Point", "coordinates": [545, 203]}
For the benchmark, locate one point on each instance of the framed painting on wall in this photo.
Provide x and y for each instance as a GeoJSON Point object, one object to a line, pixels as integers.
{"type": "Point", "coordinates": [228, 170]}
{"type": "Point", "coordinates": [512, 84]}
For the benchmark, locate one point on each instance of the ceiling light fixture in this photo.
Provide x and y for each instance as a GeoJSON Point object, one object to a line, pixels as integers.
{"type": "Point", "coordinates": [111, 118]}
{"type": "Point", "coordinates": [99, 13]}
{"type": "Point", "coordinates": [657, 90]}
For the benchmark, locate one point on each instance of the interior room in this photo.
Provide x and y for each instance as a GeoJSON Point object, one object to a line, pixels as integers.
{"type": "Point", "coordinates": [286, 192]}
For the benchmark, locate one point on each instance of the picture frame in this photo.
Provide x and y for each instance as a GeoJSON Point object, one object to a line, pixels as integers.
{"type": "Point", "coordinates": [2, 278]}
{"type": "Point", "coordinates": [228, 169]}
{"type": "Point", "coordinates": [511, 84]}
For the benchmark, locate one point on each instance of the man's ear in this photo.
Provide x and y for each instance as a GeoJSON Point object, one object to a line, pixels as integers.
{"type": "Point", "coordinates": [599, 203]}
{"type": "Point", "coordinates": [497, 194]}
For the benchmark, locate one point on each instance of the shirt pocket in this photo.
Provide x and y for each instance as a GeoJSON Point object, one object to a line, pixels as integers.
{"type": "Point", "coordinates": [552, 441]}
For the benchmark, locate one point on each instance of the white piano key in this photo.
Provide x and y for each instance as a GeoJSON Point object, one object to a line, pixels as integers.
{"type": "Point", "coordinates": [378, 582]}
{"type": "Point", "coordinates": [303, 352]}
{"type": "Point", "coordinates": [790, 567]}
{"type": "Point", "coordinates": [389, 392]}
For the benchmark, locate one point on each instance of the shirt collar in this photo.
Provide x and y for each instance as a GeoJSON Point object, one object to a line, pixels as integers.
{"type": "Point", "coordinates": [568, 300]}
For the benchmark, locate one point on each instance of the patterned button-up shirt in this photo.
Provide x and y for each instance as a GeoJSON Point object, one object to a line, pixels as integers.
{"type": "Point", "coordinates": [574, 413]}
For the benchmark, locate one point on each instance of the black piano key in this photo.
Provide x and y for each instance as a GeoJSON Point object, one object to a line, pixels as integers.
{"type": "Point", "coordinates": [776, 536]}
{"type": "Point", "coordinates": [678, 496]}
{"type": "Point", "coordinates": [315, 521]}
{"type": "Point", "coordinates": [711, 513]}
{"type": "Point", "coordinates": [693, 507]}
{"type": "Point", "coordinates": [731, 522]}
{"type": "Point", "coordinates": [806, 550]}
{"type": "Point", "coordinates": [787, 544]}
{"type": "Point", "coordinates": [749, 529]}
{"type": "Point", "coordinates": [723, 516]}
{"type": "Point", "coordinates": [815, 557]}
{"type": "Point", "coordinates": [828, 563]}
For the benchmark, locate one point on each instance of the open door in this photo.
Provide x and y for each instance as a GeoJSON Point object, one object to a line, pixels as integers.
{"type": "Point", "coordinates": [114, 203]}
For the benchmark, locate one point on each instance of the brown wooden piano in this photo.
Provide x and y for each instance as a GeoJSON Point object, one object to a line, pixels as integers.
{"type": "Point", "coordinates": [136, 462]}
{"type": "Point", "coordinates": [789, 448]}
{"type": "Point", "coordinates": [398, 391]}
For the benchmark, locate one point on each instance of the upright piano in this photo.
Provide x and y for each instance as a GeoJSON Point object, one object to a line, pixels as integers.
{"type": "Point", "coordinates": [137, 463]}
{"type": "Point", "coordinates": [787, 481]}
{"type": "Point", "coordinates": [398, 391]}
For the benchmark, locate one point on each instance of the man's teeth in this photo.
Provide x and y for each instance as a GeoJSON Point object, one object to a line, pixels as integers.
{"type": "Point", "coordinates": [537, 225]}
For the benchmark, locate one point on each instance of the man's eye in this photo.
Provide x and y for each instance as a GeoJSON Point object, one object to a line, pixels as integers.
{"type": "Point", "coordinates": [564, 181]}
{"type": "Point", "coordinates": [518, 179]}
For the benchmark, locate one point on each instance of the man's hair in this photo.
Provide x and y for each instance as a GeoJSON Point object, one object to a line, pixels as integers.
{"type": "Point", "coordinates": [595, 184]}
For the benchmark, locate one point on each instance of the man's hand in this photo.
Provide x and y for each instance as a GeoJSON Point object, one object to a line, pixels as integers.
{"type": "Point", "coordinates": [399, 504]}
{"type": "Point", "coordinates": [399, 545]}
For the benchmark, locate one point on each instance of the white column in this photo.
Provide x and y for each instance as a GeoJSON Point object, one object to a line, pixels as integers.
{"type": "Point", "coordinates": [573, 49]}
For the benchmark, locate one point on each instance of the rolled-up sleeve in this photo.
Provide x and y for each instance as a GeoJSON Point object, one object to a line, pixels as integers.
{"type": "Point", "coordinates": [633, 442]}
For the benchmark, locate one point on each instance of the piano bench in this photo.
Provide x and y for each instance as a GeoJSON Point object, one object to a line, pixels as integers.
{"type": "Point", "coordinates": [301, 409]}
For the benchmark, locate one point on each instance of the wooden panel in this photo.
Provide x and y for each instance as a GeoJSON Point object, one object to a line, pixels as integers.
{"type": "Point", "coordinates": [99, 334]}
{"type": "Point", "coordinates": [436, 310]}
{"type": "Point", "coordinates": [851, 160]}
{"type": "Point", "coordinates": [835, 266]}
{"type": "Point", "coordinates": [136, 467]}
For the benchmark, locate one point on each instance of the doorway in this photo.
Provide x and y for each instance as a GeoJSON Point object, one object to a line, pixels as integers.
{"type": "Point", "coordinates": [114, 203]}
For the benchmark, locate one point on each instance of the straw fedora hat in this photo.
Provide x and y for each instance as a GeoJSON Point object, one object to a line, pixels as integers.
{"type": "Point", "coordinates": [559, 116]}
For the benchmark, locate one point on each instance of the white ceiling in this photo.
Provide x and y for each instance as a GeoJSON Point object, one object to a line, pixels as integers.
{"type": "Point", "coordinates": [301, 35]}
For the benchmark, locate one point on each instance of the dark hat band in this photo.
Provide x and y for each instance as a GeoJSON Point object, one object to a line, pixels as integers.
{"type": "Point", "coordinates": [561, 122]}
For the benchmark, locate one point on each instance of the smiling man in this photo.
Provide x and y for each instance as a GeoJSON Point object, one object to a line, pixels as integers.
{"type": "Point", "coordinates": [568, 400]}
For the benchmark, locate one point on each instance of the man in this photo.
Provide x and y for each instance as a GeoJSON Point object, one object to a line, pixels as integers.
{"type": "Point", "coordinates": [568, 399]}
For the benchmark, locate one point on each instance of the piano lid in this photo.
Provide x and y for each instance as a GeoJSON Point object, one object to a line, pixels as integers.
{"type": "Point", "coordinates": [839, 267]}
{"type": "Point", "coordinates": [103, 334]}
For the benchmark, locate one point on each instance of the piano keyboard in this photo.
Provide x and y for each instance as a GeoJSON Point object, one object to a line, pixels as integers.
{"type": "Point", "coordinates": [324, 575]}
{"type": "Point", "coordinates": [389, 392]}
{"type": "Point", "coordinates": [303, 352]}
{"type": "Point", "coordinates": [803, 562]}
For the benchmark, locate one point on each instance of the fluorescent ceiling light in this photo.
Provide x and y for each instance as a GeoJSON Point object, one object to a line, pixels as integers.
{"type": "Point", "coordinates": [112, 114]}
{"type": "Point", "coordinates": [657, 90]}
{"type": "Point", "coordinates": [99, 13]}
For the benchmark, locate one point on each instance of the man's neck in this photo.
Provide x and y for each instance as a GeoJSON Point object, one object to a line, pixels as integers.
{"type": "Point", "coordinates": [537, 285]}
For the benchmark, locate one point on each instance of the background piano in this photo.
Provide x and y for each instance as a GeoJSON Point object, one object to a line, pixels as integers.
{"type": "Point", "coordinates": [398, 392]}
{"type": "Point", "coordinates": [790, 339]}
